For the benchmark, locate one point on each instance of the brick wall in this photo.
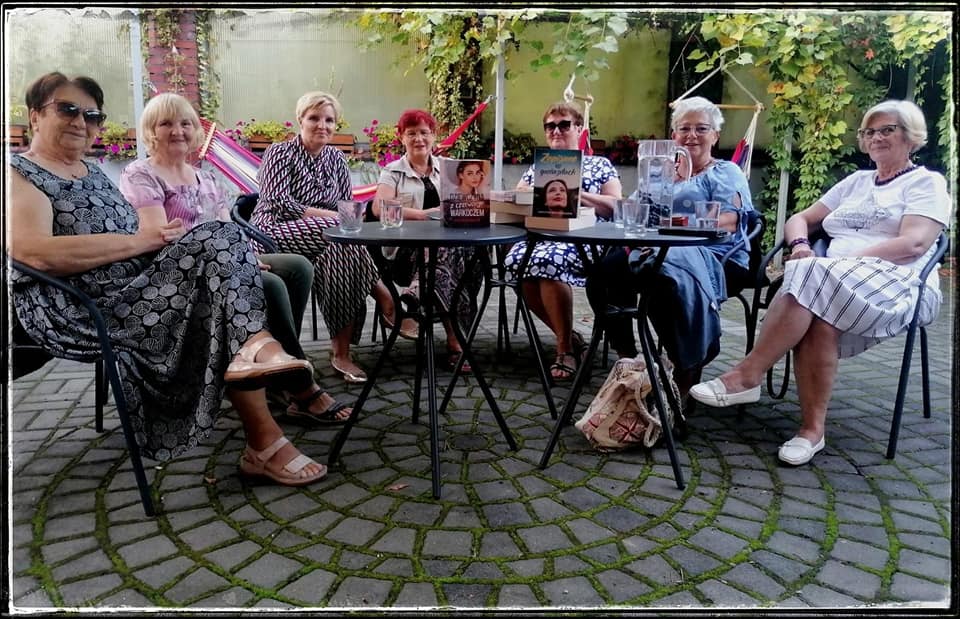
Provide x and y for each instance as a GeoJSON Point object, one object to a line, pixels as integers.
{"type": "Point", "coordinates": [175, 72]}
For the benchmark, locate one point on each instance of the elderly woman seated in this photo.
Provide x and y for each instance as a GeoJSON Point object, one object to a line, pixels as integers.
{"type": "Point", "coordinates": [185, 310]}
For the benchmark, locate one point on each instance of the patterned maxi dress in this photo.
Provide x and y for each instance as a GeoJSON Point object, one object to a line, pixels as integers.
{"type": "Point", "coordinates": [175, 317]}
{"type": "Point", "coordinates": [291, 179]}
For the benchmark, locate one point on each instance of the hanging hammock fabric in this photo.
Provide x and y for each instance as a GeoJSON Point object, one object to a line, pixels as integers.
{"type": "Point", "coordinates": [743, 153]}
{"type": "Point", "coordinates": [240, 165]}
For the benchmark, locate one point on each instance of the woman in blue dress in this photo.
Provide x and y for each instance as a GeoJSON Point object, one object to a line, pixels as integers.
{"type": "Point", "coordinates": [555, 267]}
{"type": "Point", "coordinates": [690, 285]}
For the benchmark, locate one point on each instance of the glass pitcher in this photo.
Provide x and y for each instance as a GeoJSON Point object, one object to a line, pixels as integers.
{"type": "Point", "coordinates": [655, 176]}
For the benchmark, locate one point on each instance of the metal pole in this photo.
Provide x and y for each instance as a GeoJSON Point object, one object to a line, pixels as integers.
{"type": "Point", "coordinates": [498, 126]}
{"type": "Point", "coordinates": [782, 200]}
{"type": "Point", "coordinates": [136, 65]}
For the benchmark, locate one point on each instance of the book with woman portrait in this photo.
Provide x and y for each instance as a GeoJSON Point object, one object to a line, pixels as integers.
{"type": "Point", "coordinates": [465, 192]}
{"type": "Point", "coordinates": [556, 182]}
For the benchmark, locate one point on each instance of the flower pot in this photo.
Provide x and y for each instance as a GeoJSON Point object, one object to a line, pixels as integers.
{"type": "Point", "coordinates": [17, 136]}
{"type": "Point", "coordinates": [259, 143]}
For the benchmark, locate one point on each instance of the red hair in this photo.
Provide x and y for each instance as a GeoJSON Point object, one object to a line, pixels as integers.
{"type": "Point", "coordinates": [412, 118]}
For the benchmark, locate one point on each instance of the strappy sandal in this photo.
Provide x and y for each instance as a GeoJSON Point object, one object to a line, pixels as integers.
{"type": "Point", "coordinates": [560, 365]}
{"type": "Point", "coordinates": [254, 464]}
{"type": "Point", "coordinates": [246, 373]}
{"type": "Point", "coordinates": [299, 410]}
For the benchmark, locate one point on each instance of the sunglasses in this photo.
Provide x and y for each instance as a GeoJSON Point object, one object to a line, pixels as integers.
{"type": "Point", "coordinates": [885, 131]}
{"type": "Point", "coordinates": [563, 126]}
{"type": "Point", "coordinates": [65, 109]}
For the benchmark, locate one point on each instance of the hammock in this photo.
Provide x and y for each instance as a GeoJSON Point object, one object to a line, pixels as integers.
{"type": "Point", "coordinates": [743, 153]}
{"type": "Point", "coordinates": [569, 96]}
{"type": "Point", "coordinates": [240, 165]}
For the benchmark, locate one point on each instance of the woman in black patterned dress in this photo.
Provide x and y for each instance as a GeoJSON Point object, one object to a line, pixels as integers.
{"type": "Point", "coordinates": [301, 181]}
{"type": "Point", "coordinates": [179, 305]}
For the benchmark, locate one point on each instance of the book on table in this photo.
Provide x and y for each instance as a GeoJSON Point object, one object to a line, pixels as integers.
{"type": "Point", "coordinates": [465, 192]}
{"type": "Point", "coordinates": [586, 217]}
{"type": "Point", "coordinates": [556, 182]}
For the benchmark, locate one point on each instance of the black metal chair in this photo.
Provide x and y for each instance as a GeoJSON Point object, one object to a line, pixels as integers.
{"type": "Point", "coordinates": [762, 300]}
{"type": "Point", "coordinates": [27, 356]}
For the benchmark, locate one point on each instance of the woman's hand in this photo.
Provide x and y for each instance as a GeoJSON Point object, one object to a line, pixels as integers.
{"type": "Point", "coordinates": [800, 251]}
{"type": "Point", "coordinates": [263, 266]}
{"type": "Point", "coordinates": [312, 211]}
{"type": "Point", "coordinates": [158, 237]}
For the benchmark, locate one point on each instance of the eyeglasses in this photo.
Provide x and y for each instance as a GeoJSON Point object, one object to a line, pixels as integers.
{"type": "Point", "coordinates": [563, 126]}
{"type": "Point", "coordinates": [698, 129]}
{"type": "Point", "coordinates": [885, 131]}
{"type": "Point", "coordinates": [65, 109]}
{"type": "Point", "coordinates": [410, 135]}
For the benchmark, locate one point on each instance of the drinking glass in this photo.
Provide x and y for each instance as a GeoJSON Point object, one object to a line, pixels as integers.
{"type": "Point", "coordinates": [391, 212]}
{"type": "Point", "coordinates": [635, 214]}
{"type": "Point", "coordinates": [351, 215]}
{"type": "Point", "coordinates": [707, 213]}
{"type": "Point", "coordinates": [618, 213]}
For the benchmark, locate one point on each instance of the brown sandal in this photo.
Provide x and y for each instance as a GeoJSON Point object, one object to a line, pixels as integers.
{"type": "Point", "coordinates": [299, 410]}
{"type": "Point", "coordinates": [247, 373]}
{"type": "Point", "coordinates": [560, 365]}
{"type": "Point", "coordinates": [254, 463]}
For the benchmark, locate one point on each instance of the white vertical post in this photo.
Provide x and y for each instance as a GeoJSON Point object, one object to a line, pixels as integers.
{"type": "Point", "coordinates": [136, 66]}
{"type": "Point", "coordinates": [782, 200]}
{"type": "Point", "coordinates": [498, 125]}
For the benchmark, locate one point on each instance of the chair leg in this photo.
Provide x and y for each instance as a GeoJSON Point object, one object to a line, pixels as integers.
{"type": "Point", "coordinates": [925, 365]}
{"type": "Point", "coordinates": [377, 323]}
{"type": "Point", "coordinates": [313, 305]}
{"type": "Point", "coordinates": [101, 388]}
{"type": "Point", "coordinates": [901, 392]}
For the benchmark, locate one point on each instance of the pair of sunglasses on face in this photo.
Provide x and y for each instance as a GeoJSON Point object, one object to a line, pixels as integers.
{"type": "Point", "coordinates": [65, 109]}
{"type": "Point", "coordinates": [563, 126]}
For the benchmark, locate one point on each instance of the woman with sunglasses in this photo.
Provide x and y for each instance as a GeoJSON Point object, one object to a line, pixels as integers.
{"type": "Point", "coordinates": [883, 226]}
{"type": "Point", "coordinates": [185, 310]}
{"type": "Point", "coordinates": [691, 284]}
{"type": "Point", "coordinates": [555, 267]}
{"type": "Point", "coordinates": [301, 181]}
{"type": "Point", "coordinates": [165, 186]}
{"type": "Point", "coordinates": [417, 174]}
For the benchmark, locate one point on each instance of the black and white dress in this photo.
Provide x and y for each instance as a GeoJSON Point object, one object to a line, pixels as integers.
{"type": "Point", "coordinates": [870, 299]}
{"type": "Point", "coordinates": [175, 317]}
{"type": "Point", "coordinates": [291, 180]}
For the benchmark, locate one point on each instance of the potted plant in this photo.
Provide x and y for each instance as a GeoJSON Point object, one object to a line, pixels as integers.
{"type": "Point", "coordinates": [257, 135]}
{"type": "Point", "coordinates": [517, 147]}
{"type": "Point", "coordinates": [18, 133]}
{"type": "Point", "coordinates": [384, 143]}
{"type": "Point", "coordinates": [117, 141]}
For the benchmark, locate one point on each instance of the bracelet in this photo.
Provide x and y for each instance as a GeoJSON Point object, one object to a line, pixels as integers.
{"type": "Point", "coordinates": [800, 240]}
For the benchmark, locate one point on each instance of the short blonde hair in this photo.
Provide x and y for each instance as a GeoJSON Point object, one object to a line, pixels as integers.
{"type": "Point", "coordinates": [167, 106]}
{"type": "Point", "coordinates": [318, 99]}
{"type": "Point", "coordinates": [909, 116]}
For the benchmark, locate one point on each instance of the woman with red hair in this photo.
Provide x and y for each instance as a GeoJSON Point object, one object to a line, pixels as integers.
{"type": "Point", "coordinates": [417, 174]}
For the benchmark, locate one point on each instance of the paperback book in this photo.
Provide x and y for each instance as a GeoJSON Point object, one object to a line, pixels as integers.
{"type": "Point", "coordinates": [465, 192]}
{"type": "Point", "coordinates": [586, 217]}
{"type": "Point", "coordinates": [556, 182]}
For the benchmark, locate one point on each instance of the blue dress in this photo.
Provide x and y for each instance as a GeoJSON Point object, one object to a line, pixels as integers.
{"type": "Point", "coordinates": [561, 261]}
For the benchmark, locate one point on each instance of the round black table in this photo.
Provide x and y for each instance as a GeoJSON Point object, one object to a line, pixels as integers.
{"type": "Point", "coordinates": [428, 235]}
{"type": "Point", "coordinates": [595, 238]}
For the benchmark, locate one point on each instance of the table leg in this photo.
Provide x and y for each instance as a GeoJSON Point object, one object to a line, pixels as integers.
{"type": "Point", "coordinates": [426, 303]}
{"type": "Point", "coordinates": [466, 343]}
{"type": "Point", "coordinates": [647, 346]}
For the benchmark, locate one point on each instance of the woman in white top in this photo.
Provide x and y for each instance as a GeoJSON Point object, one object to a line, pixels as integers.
{"type": "Point", "coordinates": [884, 225]}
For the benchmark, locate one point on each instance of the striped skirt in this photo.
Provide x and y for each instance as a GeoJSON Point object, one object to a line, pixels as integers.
{"type": "Point", "coordinates": [343, 274]}
{"type": "Point", "coordinates": [868, 299]}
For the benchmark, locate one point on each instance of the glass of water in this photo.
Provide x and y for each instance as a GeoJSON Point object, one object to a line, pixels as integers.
{"type": "Point", "coordinates": [707, 213]}
{"type": "Point", "coordinates": [391, 212]}
{"type": "Point", "coordinates": [351, 215]}
{"type": "Point", "coordinates": [618, 213]}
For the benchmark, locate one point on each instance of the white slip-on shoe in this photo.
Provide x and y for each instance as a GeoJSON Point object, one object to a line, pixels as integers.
{"type": "Point", "coordinates": [799, 450]}
{"type": "Point", "coordinates": [714, 393]}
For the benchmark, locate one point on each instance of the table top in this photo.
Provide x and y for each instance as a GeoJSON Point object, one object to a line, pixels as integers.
{"type": "Point", "coordinates": [606, 233]}
{"type": "Point", "coordinates": [426, 234]}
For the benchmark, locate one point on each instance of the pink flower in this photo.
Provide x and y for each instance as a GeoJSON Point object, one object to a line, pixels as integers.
{"type": "Point", "coordinates": [288, 124]}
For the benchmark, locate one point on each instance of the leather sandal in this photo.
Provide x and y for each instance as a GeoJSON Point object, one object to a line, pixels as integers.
{"type": "Point", "coordinates": [299, 410]}
{"type": "Point", "coordinates": [246, 373]}
{"type": "Point", "coordinates": [350, 377]}
{"type": "Point", "coordinates": [453, 357]}
{"type": "Point", "coordinates": [560, 365]}
{"type": "Point", "coordinates": [254, 463]}
{"type": "Point", "coordinates": [410, 334]}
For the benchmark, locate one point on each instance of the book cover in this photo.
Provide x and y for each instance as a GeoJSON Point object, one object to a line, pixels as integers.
{"type": "Point", "coordinates": [586, 217]}
{"type": "Point", "coordinates": [556, 182]}
{"type": "Point", "coordinates": [465, 192]}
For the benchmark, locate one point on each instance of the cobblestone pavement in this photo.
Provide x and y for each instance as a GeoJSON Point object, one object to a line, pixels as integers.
{"type": "Point", "coordinates": [852, 530]}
